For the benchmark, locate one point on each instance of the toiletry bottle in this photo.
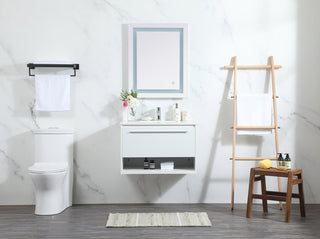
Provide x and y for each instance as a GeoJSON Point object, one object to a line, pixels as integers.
{"type": "Point", "coordinates": [288, 162]}
{"type": "Point", "coordinates": [177, 114]}
{"type": "Point", "coordinates": [146, 163]}
{"type": "Point", "coordinates": [152, 164]}
{"type": "Point", "coordinates": [158, 113]}
{"type": "Point", "coordinates": [280, 161]}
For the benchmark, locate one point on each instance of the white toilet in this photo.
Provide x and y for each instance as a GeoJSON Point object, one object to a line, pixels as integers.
{"type": "Point", "coordinates": [52, 172]}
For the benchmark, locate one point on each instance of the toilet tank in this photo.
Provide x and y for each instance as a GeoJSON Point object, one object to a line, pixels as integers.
{"type": "Point", "coordinates": [53, 145]}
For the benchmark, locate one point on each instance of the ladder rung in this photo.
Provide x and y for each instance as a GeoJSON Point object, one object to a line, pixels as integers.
{"type": "Point", "coordinates": [271, 97]}
{"type": "Point", "coordinates": [253, 158]}
{"type": "Point", "coordinates": [252, 67]}
{"type": "Point", "coordinates": [254, 127]}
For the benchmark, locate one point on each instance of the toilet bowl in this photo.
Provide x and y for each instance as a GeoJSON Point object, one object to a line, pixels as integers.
{"type": "Point", "coordinates": [52, 172]}
{"type": "Point", "coordinates": [49, 181]}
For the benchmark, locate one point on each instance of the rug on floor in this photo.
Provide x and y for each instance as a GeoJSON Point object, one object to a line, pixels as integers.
{"type": "Point", "coordinates": [177, 219]}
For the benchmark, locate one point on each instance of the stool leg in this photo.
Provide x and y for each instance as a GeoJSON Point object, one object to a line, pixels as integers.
{"type": "Point", "coordinates": [250, 192]}
{"type": "Point", "coordinates": [279, 190]}
{"type": "Point", "coordinates": [301, 199]}
{"type": "Point", "coordinates": [263, 190]}
{"type": "Point", "coordinates": [289, 195]}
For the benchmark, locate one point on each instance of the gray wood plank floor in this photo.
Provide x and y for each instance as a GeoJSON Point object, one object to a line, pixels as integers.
{"type": "Point", "coordinates": [88, 221]}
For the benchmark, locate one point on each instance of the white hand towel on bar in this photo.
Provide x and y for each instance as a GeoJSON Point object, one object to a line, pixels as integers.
{"type": "Point", "coordinates": [52, 92]}
{"type": "Point", "coordinates": [254, 110]}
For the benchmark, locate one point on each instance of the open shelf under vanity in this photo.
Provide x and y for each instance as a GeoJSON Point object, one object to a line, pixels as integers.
{"type": "Point", "coordinates": [183, 165]}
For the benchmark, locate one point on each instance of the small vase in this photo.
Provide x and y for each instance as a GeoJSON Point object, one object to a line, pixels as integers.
{"type": "Point", "coordinates": [131, 113]}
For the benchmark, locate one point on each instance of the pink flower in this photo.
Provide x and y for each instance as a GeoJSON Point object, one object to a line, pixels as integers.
{"type": "Point", "coordinates": [125, 103]}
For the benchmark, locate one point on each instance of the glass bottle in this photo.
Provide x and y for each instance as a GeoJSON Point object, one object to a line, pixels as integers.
{"type": "Point", "coordinates": [280, 161]}
{"type": "Point", "coordinates": [288, 162]}
{"type": "Point", "coordinates": [146, 163]}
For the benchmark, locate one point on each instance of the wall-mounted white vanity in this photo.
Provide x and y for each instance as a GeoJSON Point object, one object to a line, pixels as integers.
{"type": "Point", "coordinates": [161, 141]}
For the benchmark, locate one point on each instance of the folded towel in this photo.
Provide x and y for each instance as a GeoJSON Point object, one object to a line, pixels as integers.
{"type": "Point", "coordinates": [52, 92]}
{"type": "Point", "coordinates": [167, 165]}
{"type": "Point", "coordinates": [254, 110]}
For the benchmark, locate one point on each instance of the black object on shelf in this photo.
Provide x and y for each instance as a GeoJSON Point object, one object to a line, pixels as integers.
{"type": "Point", "coordinates": [146, 163]}
{"type": "Point", "coordinates": [35, 65]}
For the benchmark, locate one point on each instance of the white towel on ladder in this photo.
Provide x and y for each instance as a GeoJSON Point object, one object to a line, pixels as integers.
{"type": "Point", "coordinates": [52, 92]}
{"type": "Point", "coordinates": [254, 110]}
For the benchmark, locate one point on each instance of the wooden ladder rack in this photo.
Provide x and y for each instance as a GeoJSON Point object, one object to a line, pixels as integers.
{"type": "Point", "coordinates": [235, 127]}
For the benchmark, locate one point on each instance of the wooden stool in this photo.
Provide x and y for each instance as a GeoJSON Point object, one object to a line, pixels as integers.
{"type": "Point", "coordinates": [276, 196]}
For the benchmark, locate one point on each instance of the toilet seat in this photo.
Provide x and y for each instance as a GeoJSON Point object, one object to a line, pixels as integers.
{"type": "Point", "coordinates": [42, 168]}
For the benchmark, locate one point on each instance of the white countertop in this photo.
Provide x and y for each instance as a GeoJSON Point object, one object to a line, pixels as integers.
{"type": "Point", "coordinates": [167, 123]}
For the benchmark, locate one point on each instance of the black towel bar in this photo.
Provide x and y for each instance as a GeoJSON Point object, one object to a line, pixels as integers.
{"type": "Point", "coordinates": [35, 65]}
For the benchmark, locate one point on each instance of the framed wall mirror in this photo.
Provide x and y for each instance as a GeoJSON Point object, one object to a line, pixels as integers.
{"type": "Point", "coordinates": [157, 60]}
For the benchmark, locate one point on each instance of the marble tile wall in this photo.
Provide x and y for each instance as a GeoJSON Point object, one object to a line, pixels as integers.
{"type": "Point", "coordinates": [90, 33]}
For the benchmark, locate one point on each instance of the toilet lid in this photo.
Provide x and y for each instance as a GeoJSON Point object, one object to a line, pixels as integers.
{"type": "Point", "coordinates": [48, 167]}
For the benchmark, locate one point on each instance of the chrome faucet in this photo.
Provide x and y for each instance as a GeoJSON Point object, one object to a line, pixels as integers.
{"type": "Point", "coordinates": [158, 116]}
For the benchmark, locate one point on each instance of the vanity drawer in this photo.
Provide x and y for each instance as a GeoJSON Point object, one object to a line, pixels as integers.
{"type": "Point", "coordinates": [158, 141]}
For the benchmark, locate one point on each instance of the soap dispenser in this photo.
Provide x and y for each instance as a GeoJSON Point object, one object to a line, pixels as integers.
{"type": "Point", "coordinates": [158, 115]}
{"type": "Point", "coordinates": [177, 114]}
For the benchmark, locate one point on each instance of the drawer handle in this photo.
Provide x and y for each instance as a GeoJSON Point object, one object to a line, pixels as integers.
{"type": "Point", "coordinates": [159, 132]}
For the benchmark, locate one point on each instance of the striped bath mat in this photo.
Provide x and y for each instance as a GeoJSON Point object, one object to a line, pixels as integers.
{"type": "Point", "coordinates": [178, 219]}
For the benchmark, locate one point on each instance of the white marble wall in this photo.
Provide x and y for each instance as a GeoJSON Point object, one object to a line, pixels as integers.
{"type": "Point", "coordinates": [89, 32]}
